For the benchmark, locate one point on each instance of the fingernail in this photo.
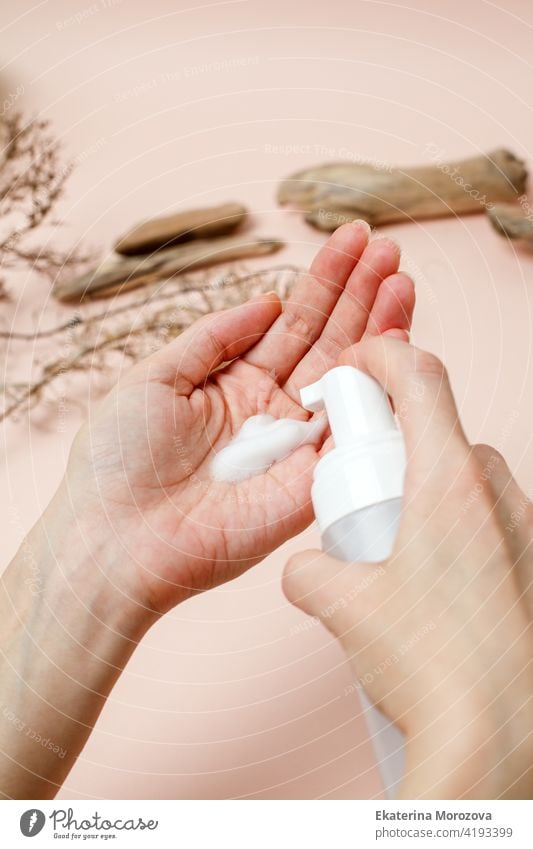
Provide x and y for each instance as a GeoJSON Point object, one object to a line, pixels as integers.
{"type": "Point", "coordinates": [389, 240]}
{"type": "Point", "coordinates": [397, 333]}
{"type": "Point", "coordinates": [360, 222]}
{"type": "Point", "coordinates": [262, 296]}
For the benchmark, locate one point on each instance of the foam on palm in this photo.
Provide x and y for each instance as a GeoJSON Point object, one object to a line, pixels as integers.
{"type": "Point", "coordinates": [261, 441]}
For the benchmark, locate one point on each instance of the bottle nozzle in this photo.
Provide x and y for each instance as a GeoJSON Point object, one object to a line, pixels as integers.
{"type": "Point", "coordinates": [312, 397]}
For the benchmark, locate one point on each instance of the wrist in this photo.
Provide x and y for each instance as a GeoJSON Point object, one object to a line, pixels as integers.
{"type": "Point", "coordinates": [69, 561]}
{"type": "Point", "coordinates": [66, 633]}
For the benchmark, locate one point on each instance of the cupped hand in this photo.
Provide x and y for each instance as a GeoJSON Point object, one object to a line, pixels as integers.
{"type": "Point", "coordinates": [138, 476]}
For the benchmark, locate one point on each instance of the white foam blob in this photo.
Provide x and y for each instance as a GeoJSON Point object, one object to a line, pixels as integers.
{"type": "Point", "coordinates": [261, 441]}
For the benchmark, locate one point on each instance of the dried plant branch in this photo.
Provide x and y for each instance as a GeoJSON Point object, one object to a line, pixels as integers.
{"type": "Point", "coordinates": [187, 286]}
{"type": "Point", "coordinates": [32, 180]}
{"type": "Point", "coordinates": [134, 329]}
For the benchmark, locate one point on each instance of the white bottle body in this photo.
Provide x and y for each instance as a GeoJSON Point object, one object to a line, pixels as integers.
{"type": "Point", "coordinates": [368, 535]}
{"type": "Point", "coordinates": [357, 495]}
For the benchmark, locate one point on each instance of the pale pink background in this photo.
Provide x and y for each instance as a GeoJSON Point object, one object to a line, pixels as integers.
{"type": "Point", "coordinates": [220, 700]}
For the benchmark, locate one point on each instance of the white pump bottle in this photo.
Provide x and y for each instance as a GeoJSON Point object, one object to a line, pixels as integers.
{"type": "Point", "coordinates": [357, 491]}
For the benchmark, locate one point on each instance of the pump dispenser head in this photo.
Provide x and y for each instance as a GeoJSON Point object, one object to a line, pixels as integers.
{"type": "Point", "coordinates": [355, 403]}
{"type": "Point", "coordinates": [366, 466]}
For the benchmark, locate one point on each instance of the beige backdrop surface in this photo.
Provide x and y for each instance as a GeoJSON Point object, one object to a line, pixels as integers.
{"type": "Point", "coordinates": [165, 104]}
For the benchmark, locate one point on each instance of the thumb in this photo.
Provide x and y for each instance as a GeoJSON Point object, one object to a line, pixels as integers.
{"type": "Point", "coordinates": [339, 594]}
{"type": "Point", "coordinates": [215, 338]}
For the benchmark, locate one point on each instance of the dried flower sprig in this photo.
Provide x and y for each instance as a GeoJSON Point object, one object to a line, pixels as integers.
{"type": "Point", "coordinates": [32, 180]}
{"type": "Point", "coordinates": [136, 328]}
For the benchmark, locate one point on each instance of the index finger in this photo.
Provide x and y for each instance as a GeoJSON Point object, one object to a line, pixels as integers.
{"type": "Point", "coordinates": [419, 387]}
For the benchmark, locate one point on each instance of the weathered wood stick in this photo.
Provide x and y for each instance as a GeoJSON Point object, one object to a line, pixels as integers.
{"type": "Point", "coordinates": [512, 220]}
{"type": "Point", "coordinates": [337, 192]}
{"type": "Point", "coordinates": [124, 274]}
{"type": "Point", "coordinates": [181, 227]}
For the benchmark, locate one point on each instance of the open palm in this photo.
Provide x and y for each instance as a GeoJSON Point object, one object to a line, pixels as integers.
{"type": "Point", "coordinates": [143, 458]}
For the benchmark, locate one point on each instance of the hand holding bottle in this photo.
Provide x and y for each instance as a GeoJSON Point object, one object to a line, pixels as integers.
{"type": "Point", "coordinates": [439, 634]}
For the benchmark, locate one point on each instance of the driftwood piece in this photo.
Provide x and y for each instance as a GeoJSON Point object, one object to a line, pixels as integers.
{"type": "Point", "coordinates": [512, 220]}
{"type": "Point", "coordinates": [123, 274]}
{"type": "Point", "coordinates": [181, 227]}
{"type": "Point", "coordinates": [337, 192]}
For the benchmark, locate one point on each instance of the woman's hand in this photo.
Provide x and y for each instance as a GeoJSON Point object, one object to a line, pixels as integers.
{"type": "Point", "coordinates": [139, 470]}
{"type": "Point", "coordinates": [440, 635]}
